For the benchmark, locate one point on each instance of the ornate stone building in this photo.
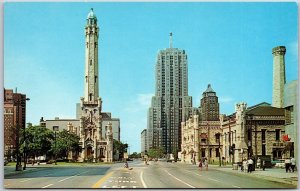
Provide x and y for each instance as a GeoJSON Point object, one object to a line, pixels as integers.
{"type": "Point", "coordinates": [253, 132]}
{"type": "Point", "coordinates": [201, 134]}
{"type": "Point", "coordinates": [94, 146]}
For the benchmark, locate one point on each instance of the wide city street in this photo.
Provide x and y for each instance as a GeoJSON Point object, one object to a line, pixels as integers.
{"type": "Point", "coordinates": [155, 175]}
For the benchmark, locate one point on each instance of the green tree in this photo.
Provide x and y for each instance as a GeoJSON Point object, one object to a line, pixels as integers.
{"type": "Point", "coordinates": [38, 141]}
{"type": "Point", "coordinates": [119, 148]}
{"type": "Point", "coordinates": [135, 155]}
{"type": "Point", "coordinates": [65, 142]}
{"type": "Point", "coordinates": [155, 152]}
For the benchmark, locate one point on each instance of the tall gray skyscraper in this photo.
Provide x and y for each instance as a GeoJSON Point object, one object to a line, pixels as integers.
{"type": "Point", "coordinates": [171, 104]}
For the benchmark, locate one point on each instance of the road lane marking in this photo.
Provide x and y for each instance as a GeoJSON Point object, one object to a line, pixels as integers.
{"type": "Point", "coordinates": [235, 186]}
{"type": "Point", "coordinates": [179, 180]}
{"type": "Point", "coordinates": [193, 173]}
{"type": "Point", "coordinates": [72, 176]}
{"type": "Point", "coordinates": [97, 184]}
{"type": "Point", "coordinates": [26, 180]}
{"type": "Point", "coordinates": [47, 185]}
{"type": "Point", "coordinates": [142, 180]}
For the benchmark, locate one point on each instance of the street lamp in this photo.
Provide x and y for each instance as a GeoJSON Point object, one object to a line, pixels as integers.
{"type": "Point", "coordinates": [24, 135]}
{"type": "Point", "coordinates": [18, 164]}
{"type": "Point", "coordinates": [55, 128]}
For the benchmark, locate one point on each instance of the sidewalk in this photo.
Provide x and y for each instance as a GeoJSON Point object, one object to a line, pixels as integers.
{"type": "Point", "coordinates": [273, 174]}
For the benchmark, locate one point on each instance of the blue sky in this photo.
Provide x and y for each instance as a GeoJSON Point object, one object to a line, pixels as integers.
{"type": "Point", "coordinates": [229, 45]}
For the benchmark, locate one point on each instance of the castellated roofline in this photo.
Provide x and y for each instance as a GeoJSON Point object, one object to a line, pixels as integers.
{"type": "Point", "coordinates": [279, 50]}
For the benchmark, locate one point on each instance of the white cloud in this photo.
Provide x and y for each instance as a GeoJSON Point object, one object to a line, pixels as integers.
{"type": "Point", "coordinates": [225, 100]}
{"type": "Point", "coordinates": [140, 102]}
{"type": "Point", "coordinates": [293, 48]}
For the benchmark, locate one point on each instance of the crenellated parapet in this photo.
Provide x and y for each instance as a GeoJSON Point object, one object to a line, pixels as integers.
{"type": "Point", "coordinates": [279, 50]}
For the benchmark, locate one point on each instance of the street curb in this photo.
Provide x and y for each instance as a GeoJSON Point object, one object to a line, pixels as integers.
{"type": "Point", "coordinates": [270, 178]}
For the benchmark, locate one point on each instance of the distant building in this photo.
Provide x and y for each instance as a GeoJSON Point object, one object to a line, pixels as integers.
{"type": "Point", "coordinates": [171, 104]}
{"type": "Point", "coordinates": [209, 105]}
{"type": "Point", "coordinates": [291, 106]}
{"type": "Point", "coordinates": [115, 122]}
{"type": "Point", "coordinates": [201, 133]}
{"type": "Point", "coordinates": [71, 125]}
{"type": "Point", "coordinates": [144, 141]}
{"type": "Point", "coordinates": [14, 114]}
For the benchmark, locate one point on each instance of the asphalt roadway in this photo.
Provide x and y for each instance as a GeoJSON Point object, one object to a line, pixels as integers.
{"type": "Point", "coordinates": [156, 175]}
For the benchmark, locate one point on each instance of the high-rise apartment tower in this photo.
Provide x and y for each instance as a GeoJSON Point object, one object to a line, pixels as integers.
{"type": "Point", "coordinates": [171, 104]}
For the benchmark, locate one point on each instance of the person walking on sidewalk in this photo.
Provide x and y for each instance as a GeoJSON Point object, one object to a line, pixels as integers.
{"type": "Point", "coordinates": [293, 163]}
{"type": "Point", "coordinates": [263, 165]}
{"type": "Point", "coordinates": [287, 163]}
{"type": "Point", "coordinates": [258, 164]}
{"type": "Point", "coordinates": [250, 165]}
{"type": "Point", "coordinates": [206, 163]}
{"type": "Point", "coordinates": [200, 164]}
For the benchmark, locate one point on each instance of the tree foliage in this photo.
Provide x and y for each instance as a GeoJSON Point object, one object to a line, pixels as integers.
{"type": "Point", "coordinates": [135, 155]}
{"type": "Point", "coordinates": [119, 148]}
{"type": "Point", "coordinates": [38, 141]}
{"type": "Point", "coordinates": [65, 142]}
{"type": "Point", "coordinates": [155, 152]}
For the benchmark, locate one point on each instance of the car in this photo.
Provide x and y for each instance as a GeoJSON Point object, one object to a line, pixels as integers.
{"type": "Point", "coordinates": [278, 163]}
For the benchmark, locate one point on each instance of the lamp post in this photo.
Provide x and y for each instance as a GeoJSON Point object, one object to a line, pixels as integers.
{"type": "Point", "coordinates": [55, 128]}
{"type": "Point", "coordinates": [18, 164]}
{"type": "Point", "coordinates": [24, 135]}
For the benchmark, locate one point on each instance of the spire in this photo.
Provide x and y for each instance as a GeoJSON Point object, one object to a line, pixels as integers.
{"type": "Point", "coordinates": [209, 89]}
{"type": "Point", "coordinates": [170, 39]}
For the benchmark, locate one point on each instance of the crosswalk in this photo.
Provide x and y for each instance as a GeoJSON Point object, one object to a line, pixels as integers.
{"type": "Point", "coordinates": [121, 182]}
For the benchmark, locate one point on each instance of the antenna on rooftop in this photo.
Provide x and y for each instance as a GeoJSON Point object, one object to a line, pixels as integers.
{"type": "Point", "coordinates": [170, 39]}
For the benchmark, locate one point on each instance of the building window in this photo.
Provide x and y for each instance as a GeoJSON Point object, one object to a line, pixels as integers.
{"type": "Point", "coordinates": [234, 135]}
{"type": "Point", "coordinates": [202, 152]}
{"type": "Point", "coordinates": [203, 141]}
{"type": "Point", "coordinates": [277, 134]}
{"type": "Point", "coordinates": [217, 152]}
{"type": "Point", "coordinates": [263, 149]}
{"type": "Point", "coordinates": [210, 151]}
{"type": "Point", "coordinates": [263, 135]}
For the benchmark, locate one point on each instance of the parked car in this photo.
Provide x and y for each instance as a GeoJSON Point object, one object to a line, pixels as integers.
{"type": "Point", "coordinates": [278, 163]}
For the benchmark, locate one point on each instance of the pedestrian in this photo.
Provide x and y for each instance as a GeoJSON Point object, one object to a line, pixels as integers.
{"type": "Point", "coordinates": [263, 165]}
{"type": "Point", "coordinates": [126, 164]}
{"type": "Point", "coordinates": [206, 164]}
{"type": "Point", "coordinates": [258, 165]}
{"type": "Point", "coordinates": [293, 163]}
{"type": "Point", "coordinates": [250, 165]}
{"type": "Point", "coordinates": [200, 165]}
{"type": "Point", "coordinates": [245, 163]}
{"type": "Point", "coordinates": [287, 163]}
